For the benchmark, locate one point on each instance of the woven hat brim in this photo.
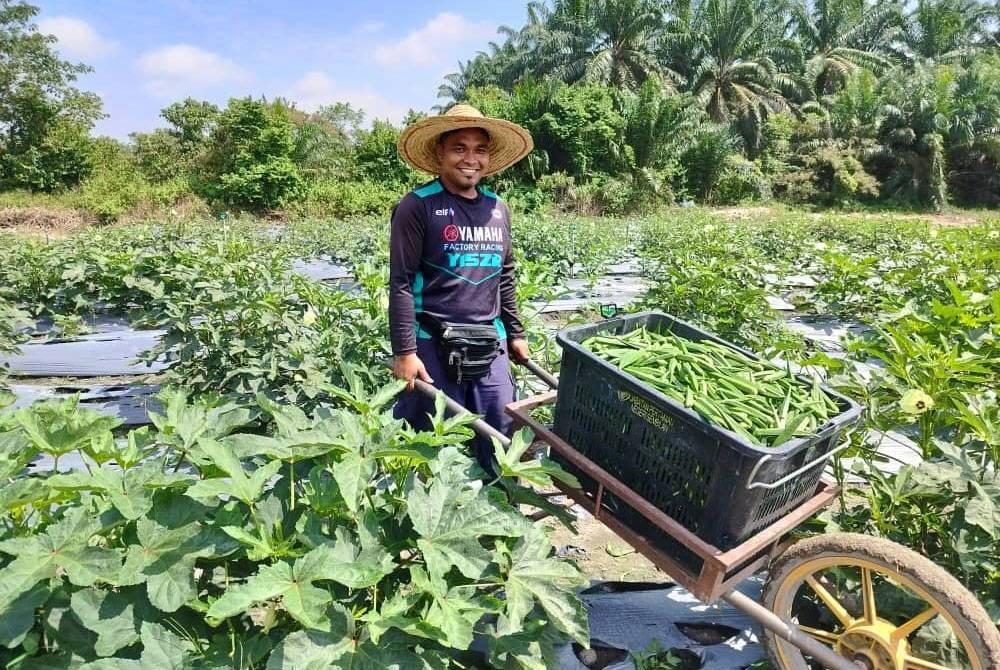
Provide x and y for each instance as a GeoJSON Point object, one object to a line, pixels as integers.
{"type": "Point", "coordinates": [509, 142]}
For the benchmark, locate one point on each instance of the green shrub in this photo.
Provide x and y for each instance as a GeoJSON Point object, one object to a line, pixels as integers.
{"type": "Point", "coordinates": [60, 158]}
{"type": "Point", "coordinates": [827, 173]}
{"type": "Point", "coordinates": [159, 155]}
{"type": "Point", "coordinates": [248, 164]}
{"type": "Point", "coordinates": [114, 193]}
{"type": "Point", "coordinates": [348, 198]}
{"type": "Point", "coordinates": [556, 186]}
{"type": "Point", "coordinates": [704, 161]}
{"type": "Point", "coordinates": [741, 180]}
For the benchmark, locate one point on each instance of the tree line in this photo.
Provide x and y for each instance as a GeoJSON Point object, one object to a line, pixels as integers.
{"type": "Point", "coordinates": [632, 104]}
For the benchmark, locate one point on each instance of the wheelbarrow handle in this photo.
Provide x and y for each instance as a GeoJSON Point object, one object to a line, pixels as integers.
{"type": "Point", "coordinates": [479, 426]}
{"type": "Point", "coordinates": [542, 373]}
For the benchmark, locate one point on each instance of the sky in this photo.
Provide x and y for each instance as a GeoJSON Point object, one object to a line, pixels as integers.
{"type": "Point", "coordinates": [383, 56]}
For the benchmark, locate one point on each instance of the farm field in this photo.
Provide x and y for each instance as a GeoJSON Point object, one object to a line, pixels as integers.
{"type": "Point", "coordinates": [263, 509]}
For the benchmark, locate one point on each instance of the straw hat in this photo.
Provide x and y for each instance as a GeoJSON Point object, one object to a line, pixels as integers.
{"type": "Point", "coordinates": [509, 142]}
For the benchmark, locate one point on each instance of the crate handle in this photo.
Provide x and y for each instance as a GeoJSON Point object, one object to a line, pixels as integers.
{"type": "Point", "coordinates": [791, 475]}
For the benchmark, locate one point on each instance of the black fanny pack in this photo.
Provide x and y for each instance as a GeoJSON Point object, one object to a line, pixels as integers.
{"type": "Point", "coordinates": [466, 350]}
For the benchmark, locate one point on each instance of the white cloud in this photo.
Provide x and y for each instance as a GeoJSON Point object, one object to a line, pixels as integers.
{"type": "Point", "coordinates": [316, 89]}
{"type": "Point", "coordinates": [178, 69]}
{"type": "Point", "coordinates": [77, 38]}
{"type": "Point", "coordinates": [441, 39]}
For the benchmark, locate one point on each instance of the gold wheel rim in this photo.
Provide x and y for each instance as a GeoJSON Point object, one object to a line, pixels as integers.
{"type": "Point", "coordinates": [877, 642]}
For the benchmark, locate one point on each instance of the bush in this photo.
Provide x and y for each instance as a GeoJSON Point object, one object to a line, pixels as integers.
{"type": "Point", "coordinates": [741, 180]}
{"type": "Point", "coordinates": [112, 195]}
{"type": "Point", "coordinates": [348, 198]}
{"type": "Point", "coordinates": [60, 158]}
{"type": "Point", "coordinates": [260, 186]}
{"type": "Point", "coordinates": [828, 174]}
{"type": "Point", "coordinates": [378, 160]}
{"type": "Point", "coordinates": [118, 187]}
{"type": "Point", "coordinates": [249, 160]}
{"type": "Point", "coordinates": [704, 161]}
{"type": "Point", "coordinates": [159, 155]}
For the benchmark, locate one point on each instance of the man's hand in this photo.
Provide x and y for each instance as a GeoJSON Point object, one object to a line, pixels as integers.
{"type": "Point", "coordinates": [410, 367]}
{"type": "Point", "coordinates": [519, 350]}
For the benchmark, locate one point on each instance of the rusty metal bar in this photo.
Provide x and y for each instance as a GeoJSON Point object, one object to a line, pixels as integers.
{"type": "Point", "coordinates": [524, 406]}
{"type": "Point", "coordinates": [480, 426]}
{"type": "Point", "coordinates": [786, 631]}
{"type": "Point", "coordinates": [542, 373]}
{"type": "Point", "coordinates": [824, 495]}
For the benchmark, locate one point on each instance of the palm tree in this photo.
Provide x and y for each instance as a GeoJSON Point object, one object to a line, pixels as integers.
{"type": "Point", "coordinates": [839, 37]}
{"type": "Point", "coordinates": [611, 42]}
{"type": "Point", "coordinates": [946, 30]}
{"type": "Point", "coordinates": [455, 85]}
{"type": "Point", "coordinates": [659, 127]}
{"type": "Point", "coordinates": [736, 77]}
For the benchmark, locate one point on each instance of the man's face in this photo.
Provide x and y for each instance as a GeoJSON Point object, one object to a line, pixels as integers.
{"type": "Point", "coordinates": [463, 156]}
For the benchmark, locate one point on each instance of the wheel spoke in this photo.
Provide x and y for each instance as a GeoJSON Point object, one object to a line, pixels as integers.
{"type": "Point", "coordinates": [839, 611]}
{"type": "Point", "coordinates": [824, 636]}
{"type": "Point", "coordinates": [913, 624]}
{"type": "Point", "coordinates": [914, 663]}
{"type": "Point", "coordinates": [868, 596]}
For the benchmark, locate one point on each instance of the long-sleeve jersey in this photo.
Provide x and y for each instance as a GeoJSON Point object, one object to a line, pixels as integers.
{"type": "Point", "coordinates": [450, 256]}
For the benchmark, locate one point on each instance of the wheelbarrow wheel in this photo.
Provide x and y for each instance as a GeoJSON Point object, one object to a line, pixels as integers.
{"type": "Point", "coordinates": [879, 604]}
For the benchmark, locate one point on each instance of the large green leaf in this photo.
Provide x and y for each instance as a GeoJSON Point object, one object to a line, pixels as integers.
{"type": "Point", "coordinates": [63, 548]}
{"type": "Point", "coordinates": [186, 423]}
{"type": "Point", "coordinates": [293, 584]}
{"type": "Point", "coordinates": [16, 451]}
{"type": "Point", "coordinates": [130, 491]}
{"type": "Point", "coordinates": [58, 427]}
{"type": "Point", "coordinates": [21, 492]}
{"type": "Point", "coordinates": [352, 474]}
{"type": "Point", "coordinates": [531, 649]}
{"type": "Point", "coordinates": [237, 484]}
{"type": "Point", "coordinates": [315, 649]}
{"type": "Point", "coordinates": [452, 611]}
{"type": "Point", "coordinates": [165, 559]}
{"type": "Point", "coordinates": [983, 511]}
{"type": "Point", "coordinates": [539, 472]}
{"type": "Point", "coordinates": [400, 611]}
{"type": "Point", "coordinates": [534, 577]}
{"type": "Point", "coordinates": [342, 562]}
{"type": "Point", "coordinates": [110, 615]}
{"type": "Point", "coordinates": [61, 661]}
{"type": "Point", "coordinates": [450, 518]}
{"type": "Point", "coordinates": [367, 656]}
{"type": "Point", "coordinates": [18, 616]}
{"type": "Point", "coordinates": [161, 650]}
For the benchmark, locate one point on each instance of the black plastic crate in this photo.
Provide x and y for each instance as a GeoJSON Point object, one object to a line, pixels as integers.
{"type": "Point", "coordinates": [693, 471]}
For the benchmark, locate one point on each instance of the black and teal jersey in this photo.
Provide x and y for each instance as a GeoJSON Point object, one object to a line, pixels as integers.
{"type": "Point", "coordinates": [450, 256]}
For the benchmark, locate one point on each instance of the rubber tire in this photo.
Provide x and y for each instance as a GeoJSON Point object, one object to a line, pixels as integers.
{"type": "Point", "coordinates": [895, 559]}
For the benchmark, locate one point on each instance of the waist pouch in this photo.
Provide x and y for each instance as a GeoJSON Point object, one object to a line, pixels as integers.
{"type": "Point", "coordinates": [466, 350]}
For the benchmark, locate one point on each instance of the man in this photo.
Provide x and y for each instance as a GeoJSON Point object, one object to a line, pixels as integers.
{"type": "Point", "coordinates": [450, 264]}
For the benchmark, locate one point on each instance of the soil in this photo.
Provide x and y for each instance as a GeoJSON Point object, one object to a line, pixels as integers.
{"type": "Point", "coordinates": [601, 554]}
